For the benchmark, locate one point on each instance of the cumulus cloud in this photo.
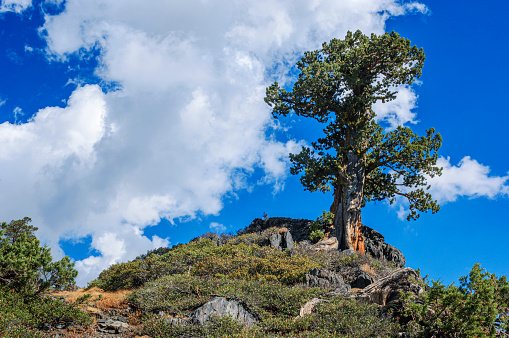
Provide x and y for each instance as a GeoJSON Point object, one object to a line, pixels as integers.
{"type": "Point", "coordinates": [217, 227]}
{"type": "Point", "coordinates": [467, 179]}
{"type": "Point", "coordinates": [397, 112]}
{"type": "Point", "coordinates": [17, 6]}
{"type": "Point", "coordinates": [187, 126]}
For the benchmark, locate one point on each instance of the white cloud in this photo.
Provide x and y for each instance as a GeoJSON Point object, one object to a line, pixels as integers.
{"type": "Point", "coordinates": [187, 127]}
{"type": "Point", "coordinates": [217, 227]}
{"type": "Point", "coordinates": [467, 179]}
{"type": "Point", "coordinates": [399, 111]}
{"type": "Point", "coordinates": [17, 6]}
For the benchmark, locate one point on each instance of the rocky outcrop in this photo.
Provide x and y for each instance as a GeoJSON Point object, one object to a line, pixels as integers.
{"type": "Point", "coordinates": [112, 326]}
{"type": "Point", "coordinates": [374, 242]}
{"type": "Point", "coordinates": [281, 240]}
{"type": "Point", "coordinates": [220, 306]}
{"type": "Point", "coordinates": [387, 290]}
{"type": "Point", "coordinates": [375, 246]}
{"type": "Point", "coordinates": [325, 279]}
{"type": "Point", "coordinates": [299, 228]}
{"type": "Point", "coordinates": [326, 244]}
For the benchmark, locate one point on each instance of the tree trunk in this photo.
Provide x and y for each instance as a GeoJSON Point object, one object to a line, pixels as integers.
{"type": "Point", "coordinates": [347, 221]}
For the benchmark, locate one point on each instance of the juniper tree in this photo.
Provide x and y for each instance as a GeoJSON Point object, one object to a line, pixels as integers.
{"type": "Point", "coordinates": [27, 267]}
{"type": "Point", "coordinates": [356, 158]}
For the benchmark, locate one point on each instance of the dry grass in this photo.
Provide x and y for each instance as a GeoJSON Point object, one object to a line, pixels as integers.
{"type": "Point", "coordinates": [99, 300]}
{"type": "Point", "coordinates": [368, 269]}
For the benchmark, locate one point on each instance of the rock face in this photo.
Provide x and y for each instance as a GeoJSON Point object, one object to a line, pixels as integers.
{"type": "Point", "coordinates": [386, 291]}
{"type": "Point", "coordinates": [282, 240]}
{"type": "Point", "coordinates": [374, 242]}
{"type": "Point", "coordinates": [299, 228]}
{"type": "Point", "coordinates": [220, 306]}
{"type": "Point", "coordinates": [377, 248]}
{"type": "Point", "coordinates": [325, 279]}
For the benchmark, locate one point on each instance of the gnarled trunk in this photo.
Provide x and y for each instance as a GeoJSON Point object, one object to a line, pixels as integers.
{"type": "Point", "coordinates": [348, 202]}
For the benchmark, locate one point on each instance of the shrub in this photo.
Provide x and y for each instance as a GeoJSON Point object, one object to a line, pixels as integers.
{"type": "Point", "coordinates": [20, 315]}
{"type": "Point", "coordinates": [178, 294]}
{"type": "Point", "coordinates": [277, 306]}
{"type": "Point", "coordinates": [203, 257]}
{"type": "Point", "coordinates": [315, 236]}
{"type": "Point", "coordinates": [254, 262]}
{"type": "Point", "coordinates": [477, 308]}
{"type": "Point", "coordinates": [25, 266]}
{"type": "Point", "coordinates": [317, 228]}
{"type": "Point", "coordinates": [136, 273]}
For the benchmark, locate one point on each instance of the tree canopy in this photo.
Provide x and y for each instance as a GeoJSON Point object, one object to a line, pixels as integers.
{"type": "Point", "coordinates": [27, 267]}
{"type": "Point", "coordinates": [356, 159]}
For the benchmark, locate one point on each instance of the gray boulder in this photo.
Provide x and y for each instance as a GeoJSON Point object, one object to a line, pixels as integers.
{"type": "Point", "coordinates": [220, 306]}
{"type": "Point", "coordinates": [325, 279]}
{"type": "Point", "coordinates": [282, 240]}
{"type": "Point", "coordinates": [375, 246]}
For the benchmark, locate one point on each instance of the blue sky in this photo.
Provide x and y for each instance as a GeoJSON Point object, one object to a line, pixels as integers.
{"type": "Point", "coordinates": [129, 125]}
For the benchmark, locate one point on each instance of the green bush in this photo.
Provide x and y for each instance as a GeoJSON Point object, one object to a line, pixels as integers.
{"type": "Point", "coordinates": [220, 327]}
{"type": "Point", "coordinates": [19, 314]}
{"type": "Point", "coordinates": [203, 257]}
{"type": "Point", "coordinates": [477, 308]}
{"type": "Point", "coordinates": [315, 236]}
{"type": "Point", "coordinates": [277, 305]}
{"type": "Point", "coordinates": [178, 294]}
{"type": "Point", "coordinates": [254, 262]}
{"type": "Point", "coordinates": [136, 273]}
{"type": "Point", "coordinates": [317, 228]}
{"type": "Point", "coordinates": [25, 266]}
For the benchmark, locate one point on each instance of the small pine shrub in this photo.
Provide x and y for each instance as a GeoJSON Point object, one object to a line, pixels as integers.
{"type": "Point", "coordinates": [317, 228]}
{"type": "Point", "coordinates": [315, 236]}
{"type": "Point", "coordinates": [25, 266]}
{"type": "Point", "coordinates": [479, 307]}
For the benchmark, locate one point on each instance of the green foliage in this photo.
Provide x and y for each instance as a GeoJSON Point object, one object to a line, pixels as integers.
{"type": "Point", "coordinates": [19, 314]}
{"type": "Point", "coordinates": [315, 236]}
{"type": "Point", "coordinates": [277, 304]}
{"type": "Point", "coordinates": [337, 86]}
{"type": "Point", "coordinates": [254, 262]}
{"type": "Point", "coordinates": [178, 294]}
{"type": "Point", "coordinates": [220, 327]}
{"type": "Point", "coordinates": [136, 273]}
{"type": "Point", "coordinates": [347, 318]}
{"type": "Point", "coordinates": [477, 308]}
{"type": "Point", "coordinates": [202, 257]}
{"type": "Point", "coordinates": [25, 266]}
{"type": "Point", "coordinates": [318, 227]}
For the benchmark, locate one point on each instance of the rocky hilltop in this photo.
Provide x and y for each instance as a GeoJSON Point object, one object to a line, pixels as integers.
{"type": "Point", "coordinates": [299, 229]}
{"type": "Point", "coordinates": [269, 280]}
